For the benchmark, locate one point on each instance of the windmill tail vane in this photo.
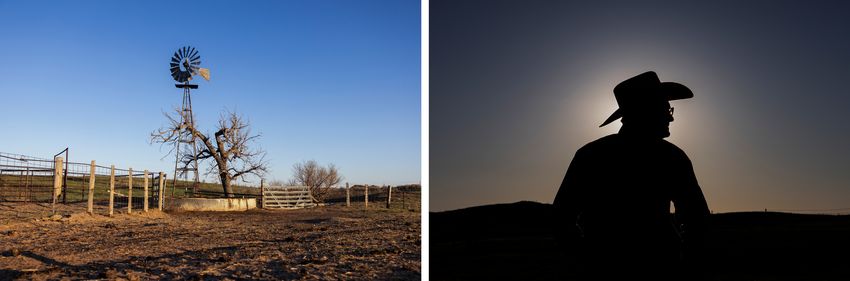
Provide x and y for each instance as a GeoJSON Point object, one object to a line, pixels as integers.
{"type": "Point", "coordinates": [205, 72]}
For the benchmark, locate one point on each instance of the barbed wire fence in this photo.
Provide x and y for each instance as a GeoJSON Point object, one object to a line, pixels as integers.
{"type": "Point", "coordinates": [106, 190]}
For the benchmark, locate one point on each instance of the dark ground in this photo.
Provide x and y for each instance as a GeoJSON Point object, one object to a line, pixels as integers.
{"type": "Point", "coordinates": [324, 243]}
{"type": "Point", "coordinates": [514, 241]}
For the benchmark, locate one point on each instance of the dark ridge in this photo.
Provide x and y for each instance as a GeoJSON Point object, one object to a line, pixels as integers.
{"type": "Point", "coordinates": [514, 241]}
{"type": "Point", "coordinates": [518, 219]}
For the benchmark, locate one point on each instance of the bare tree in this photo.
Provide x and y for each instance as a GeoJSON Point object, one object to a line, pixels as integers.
{"type": "Point", "coordinates": [319, 179]}
{"type": "Point", "coordinates": [277, 183]}
{"type": "Point", "coordinates": [232, 148]}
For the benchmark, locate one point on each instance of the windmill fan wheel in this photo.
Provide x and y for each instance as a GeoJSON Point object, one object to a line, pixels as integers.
{"type": "Point", "coordinates": [185, 63]}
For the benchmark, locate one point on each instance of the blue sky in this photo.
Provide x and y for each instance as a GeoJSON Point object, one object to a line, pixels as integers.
{"type": "Point", "coordinates": [332, 81]}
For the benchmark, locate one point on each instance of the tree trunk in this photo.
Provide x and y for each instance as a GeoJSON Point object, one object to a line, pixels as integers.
{"type": "Point", "coordinates": [225, 184]}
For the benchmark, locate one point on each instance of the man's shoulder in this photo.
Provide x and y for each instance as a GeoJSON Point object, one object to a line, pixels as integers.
{"type": "Point", "coordinates": [608, 140]}
{"type": "Point", "coordinates": [614, 140]}
{"type": "Point", "coordinates": [675, 153]}
{"type": "Point", "coordinates": [601, 144]}
{"type": "Point", "coordinates": [673, 148]}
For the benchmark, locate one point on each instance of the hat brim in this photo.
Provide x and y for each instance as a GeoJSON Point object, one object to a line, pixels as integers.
{"type": "Point", "coordinates": [675, 91]}
{"type": "Point", "coordinates": [671, 90]}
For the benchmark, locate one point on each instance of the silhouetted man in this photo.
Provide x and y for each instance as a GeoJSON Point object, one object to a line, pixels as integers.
{"type": "Point", "coordinates": [613, 206]}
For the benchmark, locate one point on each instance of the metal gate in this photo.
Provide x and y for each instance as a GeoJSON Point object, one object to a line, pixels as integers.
{"type": "Point", "coordinates": [287, 197]}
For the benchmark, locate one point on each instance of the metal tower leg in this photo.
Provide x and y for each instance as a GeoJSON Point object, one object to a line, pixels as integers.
{"type": "Point", "coordinates": [184, 164]}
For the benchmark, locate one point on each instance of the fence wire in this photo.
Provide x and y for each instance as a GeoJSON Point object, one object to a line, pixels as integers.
{"type": "Point", "coordinates": [25, 178]}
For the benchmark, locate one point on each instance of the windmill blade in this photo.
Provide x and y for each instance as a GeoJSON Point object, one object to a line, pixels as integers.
{"type": "Point", "coordinates": [185, 63]}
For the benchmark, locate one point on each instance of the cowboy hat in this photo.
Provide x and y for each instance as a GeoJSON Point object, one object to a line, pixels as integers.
{"type": "Point", "coordinates": [646, 87]}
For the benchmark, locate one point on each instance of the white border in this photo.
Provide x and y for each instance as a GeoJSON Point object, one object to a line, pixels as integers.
{"type": "Point", "coordinates": [424, 143]}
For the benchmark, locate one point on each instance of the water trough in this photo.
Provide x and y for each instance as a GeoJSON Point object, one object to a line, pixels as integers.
{"type": "Point", "coordinates": [212, 204]}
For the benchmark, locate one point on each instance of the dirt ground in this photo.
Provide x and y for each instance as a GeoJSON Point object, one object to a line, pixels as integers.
{"type": "Point", "coordinates": [331, 242]}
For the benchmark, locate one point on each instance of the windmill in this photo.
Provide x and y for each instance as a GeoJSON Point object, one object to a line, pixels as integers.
{"type": "Point", "coordinates": [184, 64]}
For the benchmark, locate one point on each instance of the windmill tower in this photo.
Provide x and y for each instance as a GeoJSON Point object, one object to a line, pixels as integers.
{"type": "Point", "coordinates": [184, 64]}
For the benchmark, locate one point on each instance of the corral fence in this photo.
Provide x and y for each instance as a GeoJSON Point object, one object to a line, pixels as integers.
{"type": "Point", "coordinates": [405, 197]}
{"type": "Point", "coordinates": [107, 189]}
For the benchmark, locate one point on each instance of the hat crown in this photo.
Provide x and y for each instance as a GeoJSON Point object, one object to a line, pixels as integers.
{"type": "Point", "coordinates": [645, 89]}
{"type": "Point", "coordinates": [640, 89]}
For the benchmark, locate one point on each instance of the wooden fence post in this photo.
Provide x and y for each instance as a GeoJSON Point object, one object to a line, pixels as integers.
{"type": "Point", "coordinates": [347, 195]}
{"type": "Point", "coordinates": [161, 188]}
{"type": "Point", "coordinates": [65, 178]}
{"type": "Point", "coordinates": [111, 190]}
{"type": "Point", "coordinates": [145, 204]}
{"type": "Point", "coordinates": [389, 195]}
{"type": "Point", "coordinates": [262, 194]}
{"type": "Point", "coordinates": [91, 189]}
{"type": "Point", "coordinates": [366, 195]}
{"type": "Point", "coordinates": [57, 181]}
{"type": "Point", "coordinates": [165, 184]}
{"type": "Point", "coordinates": [130, 192]}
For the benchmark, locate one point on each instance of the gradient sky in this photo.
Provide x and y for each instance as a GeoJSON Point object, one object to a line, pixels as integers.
{"type": "Point", "coordinates": [333, 81]}
{"type": "Point", "coordinates": [516, 87]}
